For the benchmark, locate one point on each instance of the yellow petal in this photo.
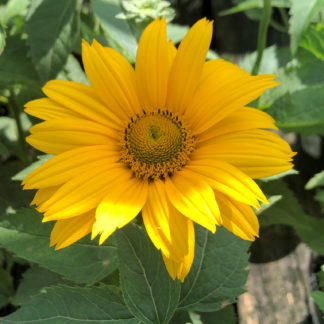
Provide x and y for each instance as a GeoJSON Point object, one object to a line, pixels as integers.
{"type": "Point", "coordinates": [113, 78]}
{"type": "Point", "coordinates": [68, 165]}
{"type": "Point", "coordinates": [120, 206]}
{"type": "Point", "coordinates": [240, 120]}
{"type": "Point", "coordinates": [223, 88]}
{"type": "Point", "coordinates": [181, 269]}
{"type": "Point", "coordinates": [43, 195]}
{"type": "Point", "coordinates": [47, 109]}
{"type": "Point", "coordinates": [238, 218]}
{"type": "Point", "coordinates": [82, 193]}
{"type": "Point", "coordinates": [67, 231]}
{"type": "Point", "coordinates": [152, 65]}
{"type": "Point", "coordinates": [231, 181]}
{"type": "Point", "coordinates": [194, 198]}
{"type": "Point", "coordinates": [168, 229]}
{"type": "Point", "coordinates": [57, 136]}
{"type": "Point", "coordinates": [188, 65]}
{"type": "Point", "coordinates": [258, 153]}
{"type": "Point", "coordinates": [82, 100]}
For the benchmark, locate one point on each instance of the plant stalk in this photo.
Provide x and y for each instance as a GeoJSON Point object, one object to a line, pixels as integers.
{"type": "Point", "coordinates": [262, 35]}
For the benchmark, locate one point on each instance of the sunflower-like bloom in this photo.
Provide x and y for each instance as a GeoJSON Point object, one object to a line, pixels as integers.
{"type": "Point", "coordinates": [172, 139]}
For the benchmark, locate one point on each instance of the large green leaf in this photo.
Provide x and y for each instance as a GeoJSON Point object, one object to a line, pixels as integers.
{"type": "Point", "coordinates": [218, 272]}
{"type": "Point", "coordinates": [118, 30]}
{"type": "Point", "coordinates": [302, 111]}
{"type": "Point", "coordinates": [319, 299]}
{"type": "Point", "coordinates": [34, 280]}
{"type": "Point", "coordinates": [302, 13]}
{"type": "Point", "coordinates": [27, 237]}
{"type": "Point", "coordinates": [313, 40]}
{"type": "Point", "coordinates": [52, 28]}
{"type": "Point", "coordinates": [58, 305]}
{"type": "Point", "coordinates": [149, 292]}
{"type": "Point", "coordinates": [15, 66]}
{"type": "Point", "coordinates": [288, 211]}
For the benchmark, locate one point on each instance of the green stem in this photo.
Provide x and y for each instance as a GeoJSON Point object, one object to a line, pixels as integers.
{"type": "Point", "coordinates": [262, 36]}
{"type": "Point", "coordinates": [284, 17]}
{"type": "Point", "coordinates": [278, 27]}
{"type": "Point", "coordinates": [21, 137]}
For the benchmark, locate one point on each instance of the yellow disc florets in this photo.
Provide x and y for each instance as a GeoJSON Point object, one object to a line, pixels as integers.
{"type": "Point", "coordinates": [156, 144]}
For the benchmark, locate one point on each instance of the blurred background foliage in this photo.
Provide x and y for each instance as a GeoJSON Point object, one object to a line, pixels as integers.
{"type": "Point", "coordinates": [41, 40]}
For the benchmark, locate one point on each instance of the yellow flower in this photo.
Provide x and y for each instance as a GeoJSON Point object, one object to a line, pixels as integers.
{"type": "Point", "coordinates": [171, 138]}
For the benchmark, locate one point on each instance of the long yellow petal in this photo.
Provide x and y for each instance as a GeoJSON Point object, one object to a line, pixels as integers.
{"type": "Point", "coordinates": [81, 99]}
{"type": "Point", "coordinates": [181, 269]}
{"type": "Point", "coordinates": [82, 193]}
{"type": "Point", "coordinates": [258, 153]}
{"type": "Point", "coordinates": [240, 120]}
{"type": "Point", "coordinates": [67, 231]}
{"type": "Point", "coordinates": [46, 109]}
{"type": "Point", "coordinates": [194, 198]}
{"type": "Point", "coordinates": [152, 65]}
{"type": "Point", "coordinates": [225, 178]}
{"type": "Point", "coordinates": [43, 195]}
{"type": "Point", "coordinates": [223, 88]}
{"type": "Point", "coordinates": [238, 218]}
{"type": "Point", "coordinates": [188, 65]}
{"type": "Point", "coordinates": [167, 228]}
{"type": "Point", "coordinates": [68, 165]}
{"type": "Point", "coordinates": [113, 78]}
{"type": "Point", "coordinates": [57, 136]}
{"type": "Point", "coordinates": [120, 206]}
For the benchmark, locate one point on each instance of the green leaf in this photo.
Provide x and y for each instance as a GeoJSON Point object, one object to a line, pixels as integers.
{"type": "Point", "coordinates": [313, 40]}
{"type": "Point", "coordinates": [6, 287]}
{"type": "Point", "coordinates": [118, 30]}
{"type": "Point", "coordinates": [301, 14]}
{"type": "Point", "coordinates": [74, 305]}
{"type": "Point", "coordinates": [2, 38]}
{"type": "Point", "coordinates": [52, 29]}
{"type": "Point", "coordinates": [176, 32]}
{"type": "Point", "coordinates": [34, 280]}
{"type": "Point", "coordinates": [319, 298]}
{"type": "Point", "coordinates": [316, 181]}
{"type": "Point", "coordinates": [27, 237]}
{"type": "Point", "coordinates": [148, 290]}
{"type": "Point", "coordinates": [218, 272]}
{"type": "Point", "coordinates": [15, 66]}
{"type": "Point", "coordinates": [289, 212]}
{"type": "Point", "coordinates": [21, 175]}
{"type": "Point", "coordinates": [319, 196]}
{"type": "Point", "coordinates": [290, 113]}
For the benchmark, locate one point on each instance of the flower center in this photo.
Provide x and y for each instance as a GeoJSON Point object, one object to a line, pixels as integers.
{"type": "Point", "coordinates": [155, 145]}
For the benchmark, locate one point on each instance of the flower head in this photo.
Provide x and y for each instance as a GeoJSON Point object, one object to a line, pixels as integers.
{"type": "Point", "coordinates": [172, 138]}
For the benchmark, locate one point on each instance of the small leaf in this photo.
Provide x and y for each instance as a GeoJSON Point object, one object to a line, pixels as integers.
{"type": "Point", "coordinates": [319, 298]}
{"type": "Point", "coordinates": [313, 40]}
{"type": "Point", "coordinates": [74, 305]}
{"type": "Point", "coordinates": [6, 287]}
{"type": "Point", "coordinates": [316, 181]}
{"type": "Point", "coordinates": [302, 13]}
{"type": "Point", "coordinates": [118, 30]}
{"type": "Point", "coordinates": [218, 272]}
{"type": "Point", "coordinates": [149, 292]}
{"type": "Point", "coordinates": [14, 8]}
{"type": "Point", "coordinates": [52, 29]}
{"type": "Point", "coordinates": [27, 237]}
